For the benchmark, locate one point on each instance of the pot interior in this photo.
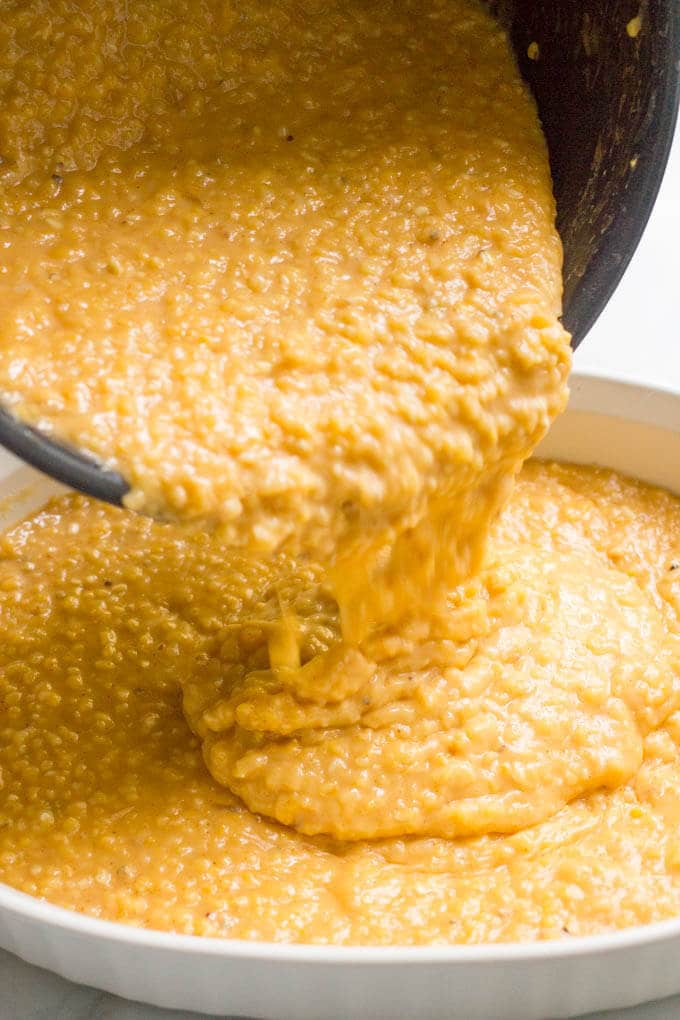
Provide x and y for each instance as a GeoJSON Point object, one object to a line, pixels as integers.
{"type": "Point", "coordinates": [605, 74]}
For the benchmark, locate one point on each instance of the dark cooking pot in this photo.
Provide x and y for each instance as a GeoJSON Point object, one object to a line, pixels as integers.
{"type": "Point", "coordinates": [606, 76]}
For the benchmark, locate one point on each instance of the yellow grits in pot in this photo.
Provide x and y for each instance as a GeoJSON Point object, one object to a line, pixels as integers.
{"type": "Point", "coordinates": [292, 268]}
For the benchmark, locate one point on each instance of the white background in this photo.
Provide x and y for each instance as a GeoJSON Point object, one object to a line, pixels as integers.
{"type": "Point", "coordinates": [638, 338]}
{"type": "Point", "coordinates": [638, 335]}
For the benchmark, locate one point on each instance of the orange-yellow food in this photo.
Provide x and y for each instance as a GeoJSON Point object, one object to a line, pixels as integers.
{"type": "Point", "coordinates": [106, 807]}
{"type": "Point", "coordinates": [538, 682]}
{"type": "Point", "coordinates": [290, 266]}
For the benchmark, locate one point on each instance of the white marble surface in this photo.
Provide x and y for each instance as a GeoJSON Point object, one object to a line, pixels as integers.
{"type": "Point", "coordinates": [638, 338]}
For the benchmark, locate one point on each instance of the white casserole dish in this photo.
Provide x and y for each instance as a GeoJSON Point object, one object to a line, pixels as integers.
{"type": "Point", "coordinates": [632, 428]}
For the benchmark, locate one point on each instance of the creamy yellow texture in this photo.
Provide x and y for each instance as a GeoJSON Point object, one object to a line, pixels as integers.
{"type": "Point", "coordinates": [106, 807]}
{"type": "Point", "coordinates": [538, 683]}
{"type": "Point", "coordinates": [290, 266]}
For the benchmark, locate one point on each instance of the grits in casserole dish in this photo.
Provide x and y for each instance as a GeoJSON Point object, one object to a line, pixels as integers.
{"type": "Point", "coordinates": [368, 677]}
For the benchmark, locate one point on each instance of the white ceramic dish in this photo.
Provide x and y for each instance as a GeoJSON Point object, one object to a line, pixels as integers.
{"type": "Point", "coordinates": [633, 428]}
